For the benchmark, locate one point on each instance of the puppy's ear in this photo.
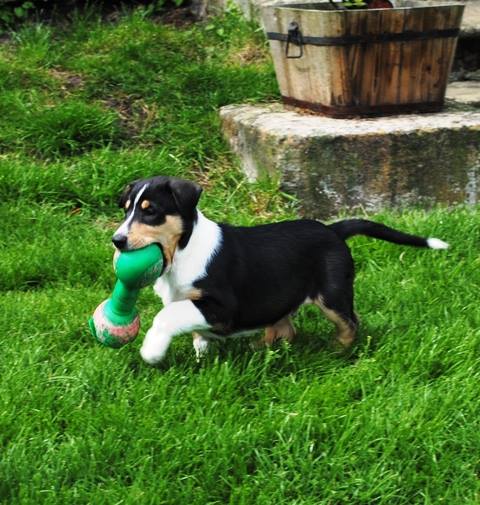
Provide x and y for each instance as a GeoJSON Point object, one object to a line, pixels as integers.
{"type": "Point", "coordinates": [125, 196]}
{"type": "Point", "coordinates": [186, 194]}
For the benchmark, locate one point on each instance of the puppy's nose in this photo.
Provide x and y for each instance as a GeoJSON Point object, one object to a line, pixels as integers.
{"type": "Point", "coordinates": [120, 241]}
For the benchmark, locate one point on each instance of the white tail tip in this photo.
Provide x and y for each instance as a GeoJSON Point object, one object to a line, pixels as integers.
{"type": "Point", "coordinates": [436, 243]}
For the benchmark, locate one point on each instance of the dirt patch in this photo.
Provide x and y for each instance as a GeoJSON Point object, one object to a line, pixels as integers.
{"type": "Point", "coordinates": [250, 54]}
{"type": "Point", "coordinates": [200, 176]}
{"type": "Point", "coordinates": [69, 80]}
{"type": "Point", "coordinates": [134, 113]}
{"type": "Point", "coordinates": [178, 17]}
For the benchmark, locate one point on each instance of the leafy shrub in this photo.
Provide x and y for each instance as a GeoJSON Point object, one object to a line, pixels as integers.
{"type": "Point", "coordinates": [13, 12]}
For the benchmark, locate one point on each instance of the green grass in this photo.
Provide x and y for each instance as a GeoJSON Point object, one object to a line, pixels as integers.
{"type": "Point", "coordinates": [87, 107]}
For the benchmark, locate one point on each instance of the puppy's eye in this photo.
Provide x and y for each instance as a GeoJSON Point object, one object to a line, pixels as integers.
{"type": "Point", "coordinates": [149, 211]}
{"type": "Point", "coordinates": [146, 207]}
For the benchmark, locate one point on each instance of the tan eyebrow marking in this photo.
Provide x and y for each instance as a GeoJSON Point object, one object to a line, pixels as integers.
{"type": "Point", "coordinates": [127, 205]}
{"type": "Point", "coordinates": [145, 204]}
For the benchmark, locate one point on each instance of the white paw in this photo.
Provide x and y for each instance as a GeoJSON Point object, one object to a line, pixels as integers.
{"type": "Point", "coordinates": [150, 357]}
{"type": "Point", "coordinates": [151, 352]}
{"type": "Point", "coordinates": [200, 345]}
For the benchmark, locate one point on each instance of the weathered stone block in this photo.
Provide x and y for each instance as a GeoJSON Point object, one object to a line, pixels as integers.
{"type": "Point", "coordinates": [335, 164]}
{"type": "Point", "coordinates": [467, 92]}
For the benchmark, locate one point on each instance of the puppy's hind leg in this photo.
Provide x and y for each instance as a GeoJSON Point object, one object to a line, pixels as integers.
{"type": "Point", "coordinates": [342, 315]}
{"type": "Point", "coordinates": [200, 344]}
{"type": "Point", "coordinates": [282, 329]}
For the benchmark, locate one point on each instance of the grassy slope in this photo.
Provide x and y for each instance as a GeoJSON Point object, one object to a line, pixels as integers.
{"type": "Point", "coordinates": [87, 108]}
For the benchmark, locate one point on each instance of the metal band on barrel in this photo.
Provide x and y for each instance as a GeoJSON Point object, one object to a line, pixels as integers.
{"type": "Point", "coordinates": [373, 38]}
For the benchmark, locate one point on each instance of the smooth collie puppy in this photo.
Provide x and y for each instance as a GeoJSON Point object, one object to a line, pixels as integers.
{"type": "Point", "coordinates": [221, 280]}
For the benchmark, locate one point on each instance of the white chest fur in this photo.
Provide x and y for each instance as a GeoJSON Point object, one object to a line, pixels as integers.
{"type": "Point", "coordinates": [190, 263]}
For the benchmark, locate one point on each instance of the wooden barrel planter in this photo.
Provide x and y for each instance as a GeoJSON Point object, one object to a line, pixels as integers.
{"type": "Point", "coordinates": [344, 63]}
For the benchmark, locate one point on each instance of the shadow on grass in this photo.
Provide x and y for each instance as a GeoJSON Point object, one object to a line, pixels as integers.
{"type": "Point", "coordinates": [309, 352]}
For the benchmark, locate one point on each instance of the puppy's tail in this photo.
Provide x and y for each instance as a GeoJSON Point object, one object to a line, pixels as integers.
{"type": "Point", "coordinates": [350, 227]}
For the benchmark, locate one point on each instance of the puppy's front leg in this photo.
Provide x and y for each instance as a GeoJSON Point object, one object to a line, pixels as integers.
{"type": "Point", "coordinates": [174, 319]}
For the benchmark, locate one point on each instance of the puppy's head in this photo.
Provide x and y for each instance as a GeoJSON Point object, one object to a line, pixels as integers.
{"type": "Point", "coordinates": [160, 210]}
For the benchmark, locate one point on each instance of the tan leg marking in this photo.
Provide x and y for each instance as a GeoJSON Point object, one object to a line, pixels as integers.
{"type": "Point", "coordinates": [282, 329]}
{"type": "Point", "coordinates": [345, 329]}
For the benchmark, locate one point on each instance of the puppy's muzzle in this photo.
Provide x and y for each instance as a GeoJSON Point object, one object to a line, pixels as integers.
{"type": "Point", "coordinates": [120, 241]}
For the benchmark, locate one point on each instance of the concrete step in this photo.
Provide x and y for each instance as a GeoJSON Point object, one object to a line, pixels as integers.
{"type": "Point", "coordinates": [471, 19]}
{"type": "Point", "coordinates": [465, 92]}
{"type": "Point", "coordinates": [336, 164]}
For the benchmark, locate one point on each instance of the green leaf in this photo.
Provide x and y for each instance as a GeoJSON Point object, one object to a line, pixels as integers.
{"type": "Point", "coordinates": [6, 17]}
{"type": "Point", "coordinates": [19, 12]}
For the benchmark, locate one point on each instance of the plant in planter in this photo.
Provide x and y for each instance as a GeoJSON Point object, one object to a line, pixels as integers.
{"type": "Point", "coordinates": [362, 4]}
{"type": "Point", "coordinates": [341, 60]}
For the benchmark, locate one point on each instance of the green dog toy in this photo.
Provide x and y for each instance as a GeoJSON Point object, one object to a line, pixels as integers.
{"type": "Point", "coordinates": [115, 321]}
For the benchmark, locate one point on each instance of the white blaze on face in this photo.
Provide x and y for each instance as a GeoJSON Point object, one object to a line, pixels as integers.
{"type": "Point", "coordinates": [125, 226]}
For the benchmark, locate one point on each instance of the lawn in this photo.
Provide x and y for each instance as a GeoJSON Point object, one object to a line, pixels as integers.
{"type": "Point", "coordinates": [88, 105]}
